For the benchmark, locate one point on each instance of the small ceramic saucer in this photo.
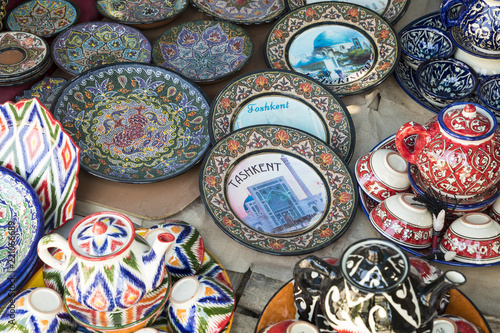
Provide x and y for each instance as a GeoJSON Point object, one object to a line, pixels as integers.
{"type": "Point", "coordinates": [242, 11]}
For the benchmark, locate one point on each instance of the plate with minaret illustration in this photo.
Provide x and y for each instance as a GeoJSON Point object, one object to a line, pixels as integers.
{"type": "Point", "coordinates": [278, 190]}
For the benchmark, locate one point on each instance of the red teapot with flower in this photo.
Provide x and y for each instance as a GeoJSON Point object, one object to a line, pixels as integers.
{"type": "Point", "coordinates": [456, 152]}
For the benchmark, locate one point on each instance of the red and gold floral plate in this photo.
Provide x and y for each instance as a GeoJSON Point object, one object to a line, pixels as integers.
{"type": "Point", "coordinates": [278, 190]}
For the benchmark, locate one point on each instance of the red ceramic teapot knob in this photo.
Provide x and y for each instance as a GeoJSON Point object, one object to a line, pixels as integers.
{"type": "Point", "coordinates": [469, 111]}
{"type": "Point", "coordinates": [99, 228]}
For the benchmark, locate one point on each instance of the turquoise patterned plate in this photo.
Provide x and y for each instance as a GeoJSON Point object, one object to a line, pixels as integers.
{"type": "Point", "coordinates": [135, 123]}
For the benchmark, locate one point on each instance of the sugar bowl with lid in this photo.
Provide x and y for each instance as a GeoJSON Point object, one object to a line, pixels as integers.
{"type": "Point", "coordinates": [106, 265]}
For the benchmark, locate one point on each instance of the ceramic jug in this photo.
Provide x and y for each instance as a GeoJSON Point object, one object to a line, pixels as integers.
{"type": "Point", "coordinates": [478, 20]}
{"type": "Point", "coordinates": [106, 265]}
{"type": "Point", "coordinates": [457, 152]}
{"type": "Point", "coordinates": [373, 289]}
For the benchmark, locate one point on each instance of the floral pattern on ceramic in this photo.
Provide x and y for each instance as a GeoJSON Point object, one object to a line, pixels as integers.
{"type": "Point", "coordinates": [390, 10]}
{"type": "Point", "coordinates": [93, 44]}
{"type": "Point", "coordinates": [489, 93]}
{"type": "Point", "coordinates": [141, 11]}
{"type": "Point", "coordinates": [331, 178]}
{"type": "Point", "coordinates": [3, 11]}
{"type": "Point", "coordinates": [311, 28]}
{"type": "Point", "coordinates": [290, 94]}
{"type": "Point", "coordinates": [242, 11]}
{"type": "Point", "coordinates": [36, 310]}
{"type": "Point", "coordinates": [203, 50]}
{"type": "Point", "coordinates": [26, 53]}
{"type": "Point", "coordinates": [200, 304]}
{"type": "Point", "coordinates": [37, 148]}
{"type": "Point", "coordinates": [43, 18]}
{"type": "Point", "coordinates": [45, 91]}
{"type": "Point", "coordinates": [135, 122]}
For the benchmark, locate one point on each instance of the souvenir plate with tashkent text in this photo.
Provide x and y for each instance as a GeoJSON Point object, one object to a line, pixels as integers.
{"type": "Point", "coordinates": [285, 98]}
{"type": "Point", "coordinates": [278, 190]}
{"type": "Point", "coordinates": [390, 10]}
{"type": "Point", "coordinates": [135, 123]}
{"type": "Point", "coordinates": [347, 47]}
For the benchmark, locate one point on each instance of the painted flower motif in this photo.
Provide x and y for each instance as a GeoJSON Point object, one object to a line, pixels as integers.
{"type": "Point", "coordinates": [383, 34]}
{"type": "Point", "coordinates": [352, 14]}
{"type": "Point", "coordinates": [355, 87]}
{"type": "Point", "coordinates": [233, 145]}
{"type": "Point", "coordinates": [325, 233]}
{"type": "Point", "coordinates": [306, 87]}
{"type": "Point", "coordinates": [211, 181]}
{"type": "Point", "coordinates": [337, 117]}
{"type": "Point", "coordinates": [276, 245]}
{"type": "Point", "coordinates": [278, 34]}
{"type": "Point", "coordinates": [277, 65]}
{"type": "Point", "coordinates": [282, 135]}
{"type": "Point", "coordinates": [228, 222]}
{"type": "Point", "coordinates": [261, 81]}
{"type": "Point", "coordinates": [310, 13]}
{"type": "Point", "coordinates": [226, 103]}
{"type": "Point", "coordinates": [385, 65]}
{"type": "Point", "coordinates": [344, 197]}
{"type": "Point", "coordinates": [326, 158]}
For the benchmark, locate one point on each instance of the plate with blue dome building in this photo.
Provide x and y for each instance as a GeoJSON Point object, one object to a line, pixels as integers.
{"type": "Point", "coordinates": [344, 46]}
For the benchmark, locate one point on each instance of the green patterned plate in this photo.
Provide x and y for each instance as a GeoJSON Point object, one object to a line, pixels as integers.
{"type": "Point", "coordinates": [347, 47]}
{"type": "Point", "coordinates": [278, 190]}
{"type": "Point", "coordinates": [281, 97]}
{"type": "Point", "coordinates": [135, 123]}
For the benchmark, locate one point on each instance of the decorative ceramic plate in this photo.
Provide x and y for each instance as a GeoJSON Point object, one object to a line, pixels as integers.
{"type": "Point", "coordinates": [278, 190]}
{"type": "Point", "coordinates": [36, 147]}
{"type": "Point", "coordinates": [242, 11]}
{"type": "Point", "coordinates": [143, 13]}
{"type": "Point", "coordinates": [285, 98]}
{"type": "Point", "coordinates": [21, 53]}
{"type": "Point", "coordinates": [34, 75]}
{"type": "Point", "coordinates": [46, 91]}
{"type": "Point", "coordinates": [44, 18]}
{"type": "Point", "coordinates": [203, 50]}
{"type": "Point", "coordinates": [348, 48]}
{"type": "Point", "coordinates": [15, 281]}
{"type": "Point", "coordinates": [92, 44]}
{"type": "Point", "coordinates": [390, 10]}
{"type": "Point", "coordinates": [135, 123]}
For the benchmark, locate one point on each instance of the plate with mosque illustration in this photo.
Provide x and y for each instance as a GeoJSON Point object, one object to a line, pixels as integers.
{"type": "Point", "coordinates": [278, 190]}
{"type": "Point", "coordinates": [282, 97]}
{"type": "Point", "coordinates": [348, 48]}
{"type": "Point", "coordinates": [242, 11]}
{"type": "Point", "coordinates": [390, 10]}
{"type": "Point", "coordinates": [135, 123]}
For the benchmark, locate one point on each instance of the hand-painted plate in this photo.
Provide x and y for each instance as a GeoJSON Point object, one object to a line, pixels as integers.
{"type": "Point", "coordinates": [135, 123]}
{"type": "Point", "coordinates": [203, 50]}
{"type": "Point", "coordinates": [278, 97]}
{"type": "Point", "coordinates": [278, 190]}
{"type": "Point", "coordinates": [34, 145]}
{"type": "Point", "coordinates": [21, 53]}
{"type": "Point", "coordinates": [390, 10]}
{"type": "Point", "coordinates": [46, 91]}
{"type": "Point", "coordinates": [348, 48]}
{"type": "Point", "coordinates": [242, 11]}
{"type": "Point", "coordinates": [43, 18]}
{"type": "Point", "coordinates": [88, 45]}
{"type": "Point", "coordinates": [141, 13]}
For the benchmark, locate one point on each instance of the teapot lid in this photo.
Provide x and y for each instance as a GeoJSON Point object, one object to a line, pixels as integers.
{"type": "Point", "coordinates": [375, 265]}
{"type": "Point", "coordinates": [467, 121]}
{"type": "Point", "coordinates": [101, 235]}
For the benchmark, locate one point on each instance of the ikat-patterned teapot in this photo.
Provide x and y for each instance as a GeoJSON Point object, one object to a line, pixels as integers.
{"type": "Point", "coordinates": [372, 289]}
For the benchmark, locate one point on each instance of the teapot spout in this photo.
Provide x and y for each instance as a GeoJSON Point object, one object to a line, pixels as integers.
{"type": "Point", "coordinates": [161, 245]}
{"type": "Point", "coordinates": [436, 290]}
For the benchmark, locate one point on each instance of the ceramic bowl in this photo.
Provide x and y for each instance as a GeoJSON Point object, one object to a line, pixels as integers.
{"type": "Point", "coordinates": [454, 324]}
{"type": "Point", "coordinates": [400, 219]}
{"type": "Point", "coordinates": [422, 43]}
{"type": "Point", "coordinates": [495, 211]}
{"type": "Point", "coordinates": [200, 304]}
{"type": "Point", "coordinates": [475, 238]}
{"type": "Point", "coordinates": [382, 174]}
{"type": "Point", "coordinates": [489, 93]}
{"type": "Point", "coordinates": [291, 326]}
{"type": "Point", "coordinates": [36, 310]}
{"type": "Point", "coordinates": [445, 80]}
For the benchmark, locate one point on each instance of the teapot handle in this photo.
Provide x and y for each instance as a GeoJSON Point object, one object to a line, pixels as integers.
{"type": "Point", "coordinates": [311, 272]}
{"type": "Point", "coordinates": [445, 12]}
{"type": "Point", "coordinates": [53, 241]}
{"type": "Point", "coordinates": [407, 130]}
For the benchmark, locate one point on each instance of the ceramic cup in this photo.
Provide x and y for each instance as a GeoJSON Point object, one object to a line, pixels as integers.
{"type": "Point", "coordinates": [402, 220]}
{"type": "Point", "coordinates": [443, 81]}
{"type": "Point", "coordinates": [291, 326]}
{"type": "Point", "coordinates": [489, 93]}
{"type": "Point", "coordinates": [462, 325]}
{"type": "Point", "coordinates": [419, 44]}
{"type": "Point", "coordinates": [495, 211]}
{"type": "Point", "coordinates": [36, 310]}
{"type": "Point", "coordinates": [382, 174]}
{"type": "Point", "coordinates": [474, 237]}
{"type": "Point", "coordinates": [200, 304]}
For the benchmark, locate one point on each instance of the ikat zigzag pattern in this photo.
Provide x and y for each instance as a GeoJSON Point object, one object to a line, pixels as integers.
{"type": "Point", "coordinates": [34, 145]}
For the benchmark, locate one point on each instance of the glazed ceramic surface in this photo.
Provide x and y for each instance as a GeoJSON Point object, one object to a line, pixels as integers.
{"type": "Point", "coordinates": [141, 12]}
{"type": "Point", "coordinates": [200, 304]}
{"type": "Point", "coordinates": [42, 17]}
{"type": "Point", "coordinates": [489, 93]}
{"type": "Point", "coordinates": [46, 91]}
{"type": "Point", "coordinates": [495, 211]}
{"type": "Point", "coordinates": [92, 44]}
{"type": "Point", "coordinates": [20, 53]}
{"type": "Point", "coordinates": [35, 146]}
{"type": "Point", "coordinates": [462, 325]}
{"type": "Point", "coordinates": [135, 123]}
{"type": "Point", "coordinates": [203, 50]}
{"type": "Point", "coordinates": [242, 11]}
{"type": "Point", "coordinates": [3, 11]}
{"type": "Point", "coordinates": [36, 310]}
{"type": "Point", "coordinates": [107, 266]}
{"type": "Point", "coordinates": [463, 138]}
{"type": "Point", "coordinates": [285, 98]}
{"type": "Point", "coordinates": [278, 190]}
{"type": "Point", "coordinates": [390, 10]}
{"type": "Point", "coordinates": [291, 326]}
{"type": "Point", "coordinates": [348, 48]}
